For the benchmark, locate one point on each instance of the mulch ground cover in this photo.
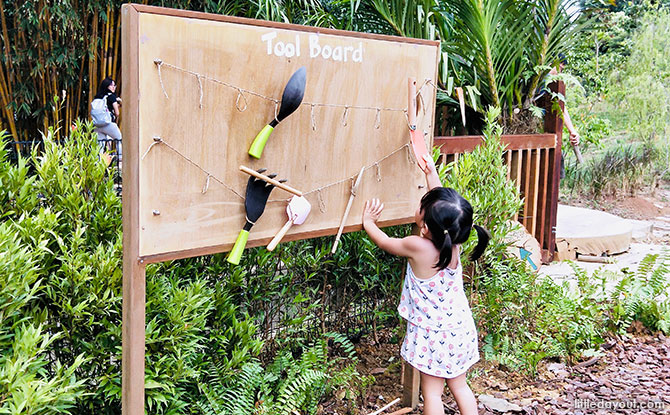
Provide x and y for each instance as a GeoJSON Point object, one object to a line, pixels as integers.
{"type": "Point", "coordinates": [630, 376]}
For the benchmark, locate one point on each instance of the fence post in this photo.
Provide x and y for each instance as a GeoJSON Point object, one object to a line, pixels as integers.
{"type": "Point", "coordinates": [553, 123]}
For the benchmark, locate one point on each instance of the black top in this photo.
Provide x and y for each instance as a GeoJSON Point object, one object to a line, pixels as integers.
{"type": "Point", "coordinates": [111, 99]}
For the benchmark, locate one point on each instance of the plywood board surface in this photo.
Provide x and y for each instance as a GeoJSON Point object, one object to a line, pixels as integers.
{"type": "Point", "coordinates": [218, 86]}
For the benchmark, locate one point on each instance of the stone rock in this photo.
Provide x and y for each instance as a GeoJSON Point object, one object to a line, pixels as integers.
{"type": "Point", "coordinates": [497, 404]}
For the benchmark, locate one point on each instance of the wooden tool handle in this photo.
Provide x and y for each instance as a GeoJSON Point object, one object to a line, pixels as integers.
{"type": "Point", "coordinates": [578, 154]}
{"type": "Point", "coordinates": [274, 182]}
{"type": "Point", "coordinates": [411, 102]}
{"type": "Point", "coordinates": [346, 211]}
{"type": "Point", "coordinates": [344, 219]}
{"type": "Point", "coordinates": [278, 237]}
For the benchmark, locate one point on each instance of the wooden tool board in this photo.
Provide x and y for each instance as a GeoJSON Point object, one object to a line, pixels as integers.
{"type": "Point", "coordinates": [207, 84]}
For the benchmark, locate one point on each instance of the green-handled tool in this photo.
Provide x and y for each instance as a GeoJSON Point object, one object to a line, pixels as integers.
{"type": "Point", "coordinates": [255, 200]}
{"type": "Point", "coordinates": [290, 101]}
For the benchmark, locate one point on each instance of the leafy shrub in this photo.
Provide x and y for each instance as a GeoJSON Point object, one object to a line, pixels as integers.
{"type": "Point", "coordinates": [288, 385]}
{"type": "Point", "coordinates": [620, 168]}
{"type": "Point", "coordinates": [206, 319]}
{"type": "Point", "coordinates": [32, 379]}
{"type": "Point", "coordinates": [481, 178]}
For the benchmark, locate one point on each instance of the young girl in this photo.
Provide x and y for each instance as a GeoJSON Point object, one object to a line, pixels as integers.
{"type": "Point", "coordinates": [441, 339]}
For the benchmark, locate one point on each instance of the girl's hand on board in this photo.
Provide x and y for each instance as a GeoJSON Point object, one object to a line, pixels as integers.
{"type": "Point", "coordinates": [430, 165]}
{"type": "Point", "coordinates": [373, 210]}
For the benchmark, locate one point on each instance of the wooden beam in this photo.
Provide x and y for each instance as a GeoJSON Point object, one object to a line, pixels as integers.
{"type": "Point", "coordinates": [534, 194]}
{"type": "Point", "coordinates": [543, 199]}
{"type": "Point", "coordinates": [553, 123]}
{"type": "Point", "coordinates": [264, 23]}
{"type": "Point", "coordinates": [134, 272]}
{"type": "Point", "coordinates": [410, 386]}
{"type": "Point", "coordinates": [527, 189]}
{"type": "Point", "coordinates": [467, 143]}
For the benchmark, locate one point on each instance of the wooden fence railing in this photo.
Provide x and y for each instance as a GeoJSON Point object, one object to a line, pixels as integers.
{"type": "Point", "coordinates": [530, 161]}
{"type": "Point", "coordinates": [533, 163]}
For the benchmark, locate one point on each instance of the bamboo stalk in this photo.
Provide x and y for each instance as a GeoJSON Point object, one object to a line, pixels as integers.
{"type": "Point", "coordinates": [9, 114]}
{"type": "Point", "coordinates": [105, 47]}
{"type": "Point", "coordinates": [115, 55]}
{"type": "Point", "coordinates": [92, 73]}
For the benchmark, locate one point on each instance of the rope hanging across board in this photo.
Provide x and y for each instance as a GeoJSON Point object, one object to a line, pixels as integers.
{"type": "Point", "coordinates": [241, 98]}
{"type": "Point", "coordinates": [157, 140]}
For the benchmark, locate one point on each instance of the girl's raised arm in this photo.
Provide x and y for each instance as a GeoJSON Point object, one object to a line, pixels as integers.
{"type": "Point", "coordinates": [405, 247]}
{"type": "Point", "coordinates": [432, 178]}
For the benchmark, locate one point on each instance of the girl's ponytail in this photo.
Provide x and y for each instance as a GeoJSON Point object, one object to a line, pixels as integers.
{"type": "Point", "coordinates": [483, 238]}
{"type": "Point", "coordinates": [445, 251]}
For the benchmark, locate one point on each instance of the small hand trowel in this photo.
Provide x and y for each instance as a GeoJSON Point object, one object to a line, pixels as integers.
{"type": "Point", "coordinates": [255, 200]}
{"type": "Point", "coordinates": [416, 136]}
{"type": "Point", "coordinates": [290, 101]}
{"type": "Point", "coordinates": [297, 210]}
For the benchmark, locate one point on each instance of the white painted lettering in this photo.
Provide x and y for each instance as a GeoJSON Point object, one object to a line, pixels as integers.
{"type": "Point", "coordinates": [289, 52]}
{"type": "Point", "coordinates": [279, 48]}
{"type": "Point", "coordinates": [314, 48]}
{"type": "Point", "coordinates": [358, 53]}
{"type": "Point", "coordinates": [268, 38]}
{"type": "Point", "coordinates": [326, 52]}
{"type": "Point", "coordinates": [346, 51]}
{"type": "Point", "coordinates": [337, 53]}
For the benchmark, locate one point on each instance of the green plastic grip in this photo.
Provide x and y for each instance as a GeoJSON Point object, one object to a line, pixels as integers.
{"type": "Point", "coordinates": [236, 253]}
{"type": "Point", "coordinates": [258, 145]}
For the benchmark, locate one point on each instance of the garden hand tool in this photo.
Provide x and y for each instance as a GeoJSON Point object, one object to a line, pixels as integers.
{"type": "Point", "coordinates": [354, 188]}
{"type": "Point", "coordinates": [255, 200]}
{"type": "Point", "coordinates": [578, 153]}
{"type": "Point", "coordinates": [290, 101]}
{"type": "Point", "coordinates": [277, 183]}
{"type": "Point", "coordinates": [416, 137]}
{"type": "Point", "coordinates": [297, 210]}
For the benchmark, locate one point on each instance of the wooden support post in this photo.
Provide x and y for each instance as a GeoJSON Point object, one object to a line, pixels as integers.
{"type": "Point", "coordinates": [533, 196]}
{"type": "Point", "coordinates": [410, 386]}
{"type": "Point", "coordinates": [553, 123]}
{"type": "Point", "coordinates": [134, 271]}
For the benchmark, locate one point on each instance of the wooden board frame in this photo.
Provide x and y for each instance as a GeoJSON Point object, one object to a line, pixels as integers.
{"type": "Point", "coordinates": [137, 146]}
{"type": "Point", "coordinates": [331, 142]}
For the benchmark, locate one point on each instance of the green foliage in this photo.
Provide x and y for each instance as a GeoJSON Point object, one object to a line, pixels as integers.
{"type": "Point", "coordinates": [500, 51]}
{"type": "Point", "coordinates": [619, 168]}
{"type": "Point", "coordinates": [32, 379]}
{"type": "Point", "coordinates": [641, 86]}
{"type": "Point", "coordinates": [288, 385]}
{"type": "Point", "coordinates": [643, 295]}
{"type": "Point", "coordinates": [206, 319]}
{"type": "Point", "coordinates": [636, 104]}
{"type": "Point", "coordinates": [481, 178]}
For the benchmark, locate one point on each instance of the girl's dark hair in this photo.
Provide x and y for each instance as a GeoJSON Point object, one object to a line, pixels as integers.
{"type": "Point", "coordinates": [449, 219]}
{"type": "Point", "coordinates": [104, 87]}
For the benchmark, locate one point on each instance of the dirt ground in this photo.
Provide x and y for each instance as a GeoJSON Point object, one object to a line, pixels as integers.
{"type": "Point", "coordinates": [652, 205]}
{"type": "Point", "coordinates": [631, 376]}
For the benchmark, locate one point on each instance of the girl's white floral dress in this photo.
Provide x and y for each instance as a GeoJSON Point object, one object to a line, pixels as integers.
{"type": "Point", "coordinates": [441, 337]}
